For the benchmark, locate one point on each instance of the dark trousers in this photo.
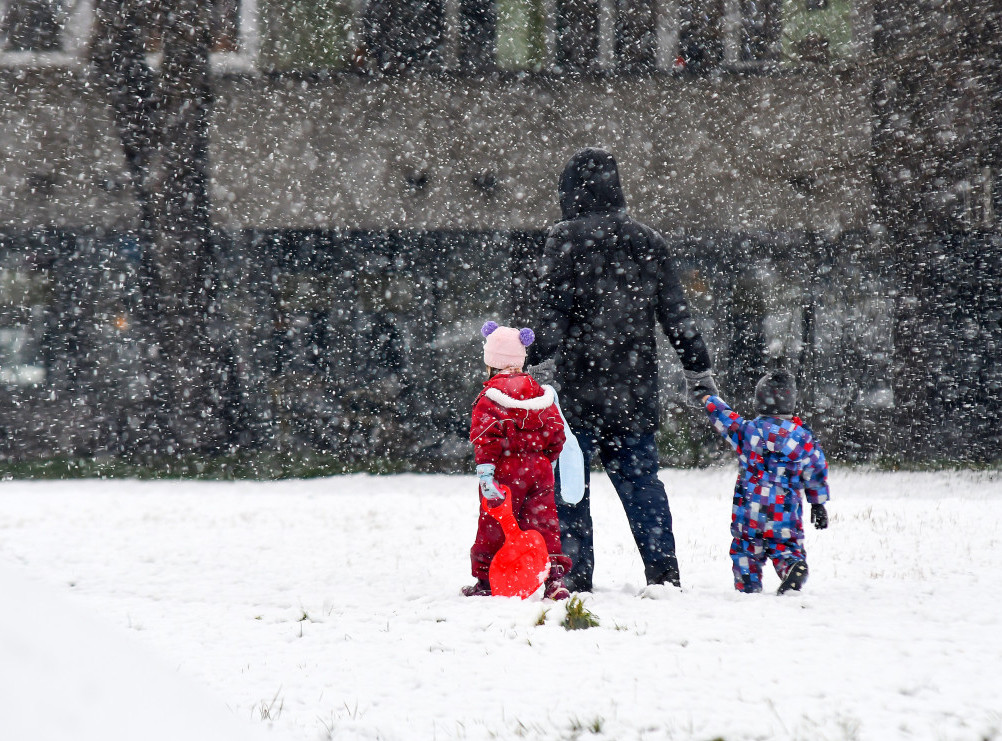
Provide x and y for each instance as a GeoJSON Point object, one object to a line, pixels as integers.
{"type": "Point", "coordinates": [632, 465]}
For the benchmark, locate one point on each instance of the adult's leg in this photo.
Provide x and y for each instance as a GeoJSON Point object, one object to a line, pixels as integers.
{"type": "Point", "coordinates": [576, 529]}
{"type": "Point", "coordinates": [632, 465]}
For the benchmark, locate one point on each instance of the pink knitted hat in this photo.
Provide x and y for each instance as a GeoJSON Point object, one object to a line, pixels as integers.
{"type": "Point", "coordinates": [505, 346]}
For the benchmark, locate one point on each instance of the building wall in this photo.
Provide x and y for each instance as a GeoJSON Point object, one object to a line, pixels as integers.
{"type": "Point", "coordinates": [60, 161]}
{"type": "Point", "coordinates": [732, 152]}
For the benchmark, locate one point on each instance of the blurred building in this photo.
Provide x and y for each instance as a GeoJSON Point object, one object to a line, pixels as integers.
{"type": "Point", "coordinates": [383, 172]}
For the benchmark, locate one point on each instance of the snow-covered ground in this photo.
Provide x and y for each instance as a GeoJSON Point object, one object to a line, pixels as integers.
{"type": "Point", "coordinates": [330, 608]}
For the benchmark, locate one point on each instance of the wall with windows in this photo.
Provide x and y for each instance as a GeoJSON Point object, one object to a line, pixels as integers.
{"type": "Point", "coordinates": [695, 36]}
{"type": "Point", "coordinates": [633, 35]}
{"type": "Point", "coordinates": [736, 152]}
{"type": "Point", "coordinates": [56, 34]}
{"type": "Point", "coordinates": [769, 133]}
{"type": "Point", "coordinates": [355, 154]}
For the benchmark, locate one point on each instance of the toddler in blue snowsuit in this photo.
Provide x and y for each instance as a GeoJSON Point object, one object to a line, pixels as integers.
{"type": "Point", "coordinates": [779, 459]}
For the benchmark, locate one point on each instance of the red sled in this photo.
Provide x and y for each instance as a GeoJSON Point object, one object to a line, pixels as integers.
{"type": "Point", "coordinates": [521, 565]}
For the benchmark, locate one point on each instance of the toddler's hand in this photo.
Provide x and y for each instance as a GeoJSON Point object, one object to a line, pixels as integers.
{"type": "Point", "coordinates": [488, 489]}
{"type": "Point", "coordinates": [819, 516]}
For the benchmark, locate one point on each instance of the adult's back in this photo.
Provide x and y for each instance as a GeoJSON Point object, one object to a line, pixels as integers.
{"type": "Point", "coordinates": [607, 283]}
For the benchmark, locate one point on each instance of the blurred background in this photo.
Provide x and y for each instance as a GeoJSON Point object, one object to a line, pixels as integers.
{"type": "Point", "coordinates": [259, 238]}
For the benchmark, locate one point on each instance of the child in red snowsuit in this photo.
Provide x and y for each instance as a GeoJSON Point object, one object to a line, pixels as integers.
{"type": "Point", "coordinates": [517, 433]}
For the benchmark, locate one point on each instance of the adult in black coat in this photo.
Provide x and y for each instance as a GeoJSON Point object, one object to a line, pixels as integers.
{"type": "Point", "coordinates": [606, 281]}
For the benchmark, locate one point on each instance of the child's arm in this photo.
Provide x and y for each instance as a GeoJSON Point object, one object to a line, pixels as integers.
{"type": "Point", "coordinates": [486, 434]}
{"type": "Point", "coordinates": [815, 474]}
{"type": "Point", "coordinates": [725, 420]}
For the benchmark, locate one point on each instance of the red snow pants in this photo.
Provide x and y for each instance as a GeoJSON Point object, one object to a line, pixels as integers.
{"type": "Point", "coordinates": [530, 478]}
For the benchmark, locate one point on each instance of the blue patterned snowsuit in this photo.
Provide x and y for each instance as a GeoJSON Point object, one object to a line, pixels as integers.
{"type": "Point", "coordinates": [779, 459]}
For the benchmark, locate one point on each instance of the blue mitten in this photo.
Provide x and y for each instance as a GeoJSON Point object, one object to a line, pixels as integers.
{"type": "Point", "coordinates": [489, 490]}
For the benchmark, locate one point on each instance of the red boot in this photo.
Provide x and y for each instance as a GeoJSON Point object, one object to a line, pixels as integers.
{"type": "Point", "coordinates": [554, 588]}
{"type": "Point", "coordinates": [481, 589]}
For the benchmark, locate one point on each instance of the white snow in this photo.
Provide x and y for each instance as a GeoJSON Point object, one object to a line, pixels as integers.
{"type": "Point", "coordinates": [330, 608]}
{"type": "Point", "coordinates": [65, 675]}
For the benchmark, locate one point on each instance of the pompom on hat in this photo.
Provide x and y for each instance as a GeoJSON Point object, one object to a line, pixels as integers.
{"type": "Point", "coordinates": [505, 346]}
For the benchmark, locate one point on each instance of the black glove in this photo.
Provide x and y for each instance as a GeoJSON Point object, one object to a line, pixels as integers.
{"type": "Point", "coordinates": [819, 516]}
{"type": "Point", "coordinates": [699, 384]}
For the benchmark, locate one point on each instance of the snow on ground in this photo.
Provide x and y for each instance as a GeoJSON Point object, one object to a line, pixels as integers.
{"type": "Point", "coordinates": [330, 608]}
{"type": "Point", "coordinates": [65, 675]}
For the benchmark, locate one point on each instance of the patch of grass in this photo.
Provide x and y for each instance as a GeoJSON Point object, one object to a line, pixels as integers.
{"type": "Point", "coordinates": [595, 726]}
{"type": "Point", "coordinates": [578, 616]}
{"type": "Point", "coordinates": [901, 463]}
{"type": "Point", "coordinates": [271, 710]}
{"type": "Point", "coordinates": [541, 620]}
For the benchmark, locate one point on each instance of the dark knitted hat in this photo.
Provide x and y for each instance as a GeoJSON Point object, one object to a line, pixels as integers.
{"type": "Point", "coordinates": [776, 393]}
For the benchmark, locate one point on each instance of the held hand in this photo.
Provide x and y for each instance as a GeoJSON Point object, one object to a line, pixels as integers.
{"type": "Point", "coordinates": [819, 516]}
{"type": "Point", "coordinates": [488, 489]}
{"type": "Point", "coordinates": [699, 384]}
{"type": "Point", "coordinates": [544, 373]}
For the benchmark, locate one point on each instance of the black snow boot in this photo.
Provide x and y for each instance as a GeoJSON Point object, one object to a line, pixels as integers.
{"type": "Point", "coordinates": [669, 574]}
{"type": "Point", "coordinates": [794, 578]}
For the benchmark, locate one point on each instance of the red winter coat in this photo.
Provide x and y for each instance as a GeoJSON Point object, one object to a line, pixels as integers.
{"type": "Point", "coordinates": [514, 415]}
{"type": "Point", "coordinates": [517, 427]}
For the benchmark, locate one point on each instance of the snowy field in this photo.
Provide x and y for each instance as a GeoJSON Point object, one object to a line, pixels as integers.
{"type": "Point", "coordinates": [330, 609]}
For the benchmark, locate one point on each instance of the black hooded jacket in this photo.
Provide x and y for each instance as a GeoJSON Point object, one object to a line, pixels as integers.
{"type": "Point", "coordinates": [606, 280]}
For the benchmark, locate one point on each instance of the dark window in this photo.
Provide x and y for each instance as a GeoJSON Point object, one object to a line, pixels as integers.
{"type": "Point", "coordinates": [761, 25]}
{"type": "Point", "coordinates": [636, 35]}
{"type": "Point", "coordinates": [405, 34]}
{"type": "Point", "coordinates": [33, 25]}
{"type": "Point", "coordinates": [310, 34]}
{"type": "Point", "coordinates": [701, 35]}
{"type": "Point", "coordinates": [226, 19]}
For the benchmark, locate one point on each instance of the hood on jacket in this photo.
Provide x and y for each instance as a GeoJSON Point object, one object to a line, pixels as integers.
{"type": "Point", "coordinates": [521, 397]}
{"type": "Point", "coordinates": [518, 387]}
{"type": "Point", "coordinates": [590, 184]}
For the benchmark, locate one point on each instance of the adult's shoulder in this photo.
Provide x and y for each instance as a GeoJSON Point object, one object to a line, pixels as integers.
{"type": "Point", "coordinates": [562, 229]}
{"type": "Point", "coordinates": [653, 237]}
{"type": "Point", "coordinates": [562, 237]}
{"type": "Point", "coordinates": [648, 244]}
